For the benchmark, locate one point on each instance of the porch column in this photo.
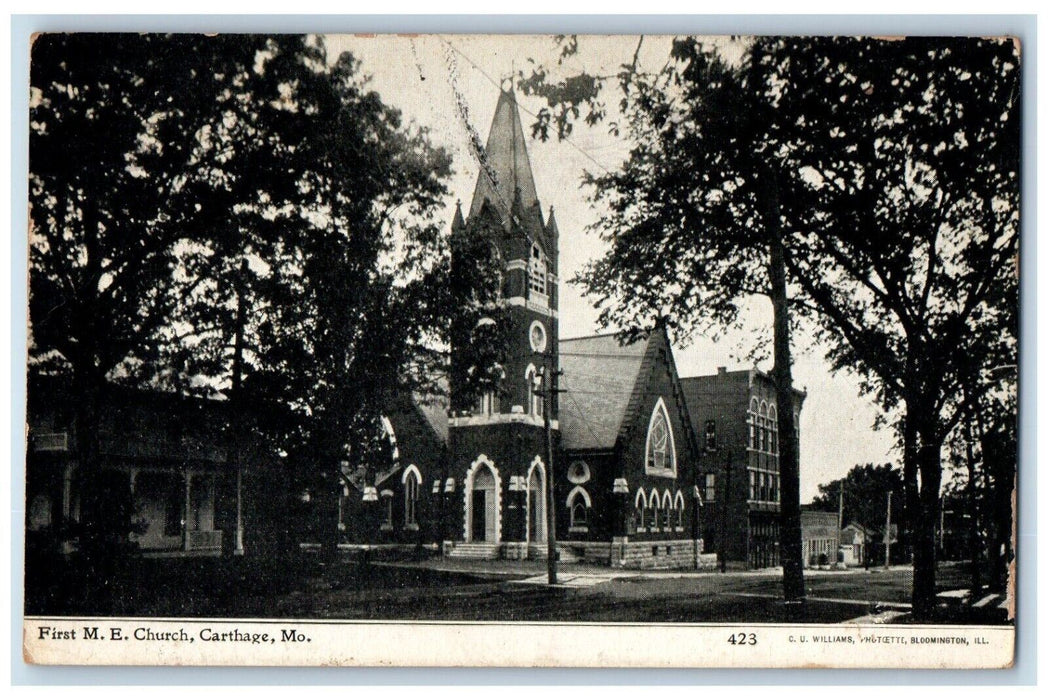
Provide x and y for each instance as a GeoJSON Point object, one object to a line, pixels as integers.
{"type": "Point", "coordinates": [239, 549]}
{"type": "Point", "coordinates": [188, 478]}
{"type": "Point", "coordinates": [67, 495]}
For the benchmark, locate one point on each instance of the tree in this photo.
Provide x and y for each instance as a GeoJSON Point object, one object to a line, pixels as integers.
{"type": "Point", "coordinates": [699, 220]}
{"type": "Point", "coordinates": [348, 325]}
{"type": "Point", "coordinates": [114, 126]}
{"type": "Point", "coordinates": [243, 215]}
{"type": "Point", "coordinates": [866, 488]}
{"type": "Point", "coordinates": [846, 161]}
{"type": "Point", "coordinates": [907, 249]}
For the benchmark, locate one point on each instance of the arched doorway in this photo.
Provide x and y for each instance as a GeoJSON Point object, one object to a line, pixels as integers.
{"type": "Point", "coordinates": [537, 502]}
{"type": "Point", "coordinates": [483, 506]}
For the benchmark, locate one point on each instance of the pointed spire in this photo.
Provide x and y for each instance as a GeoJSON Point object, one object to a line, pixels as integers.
{"type": "Point", "coordinates": [551, 226]}
{"type": "Point", "coordinates": [457, 222]}
{"type": "Point", "coordinates": [505, 173]}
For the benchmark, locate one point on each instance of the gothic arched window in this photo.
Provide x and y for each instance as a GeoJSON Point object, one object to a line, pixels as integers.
{"type": "Point", "coordinates": [412, 482]}
{"type": "Point", "coordinates": [537, 271]}
{"type": "Point", "coordinates": [534, 381]}
{"type": "Point", "coordinates": [640, 504]}
{"type": "Point", "coordinates": [660, 452]}
{"type": "Point", "coordinates": [773, 429]}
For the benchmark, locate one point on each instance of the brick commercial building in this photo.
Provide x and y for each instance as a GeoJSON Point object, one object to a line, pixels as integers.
{"type": "Point", "coordinates": [736, 418]}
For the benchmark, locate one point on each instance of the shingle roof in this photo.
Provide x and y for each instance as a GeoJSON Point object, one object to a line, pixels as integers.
{"type": "Point", "coordinates": [436, 414]}
{"type": "Point", "coordinates": [600, 376]}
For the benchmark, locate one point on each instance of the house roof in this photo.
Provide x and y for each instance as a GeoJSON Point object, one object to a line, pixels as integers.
{"type": "Point", "coordinates": [599, 379]}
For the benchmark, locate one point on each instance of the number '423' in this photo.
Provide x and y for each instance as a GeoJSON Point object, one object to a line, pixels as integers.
{"type": "Point", "coordinates": [743, 639]}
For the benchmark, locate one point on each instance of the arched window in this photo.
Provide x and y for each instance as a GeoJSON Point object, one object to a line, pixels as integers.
{"type": "Point", "coordinates": [412, 482]}
{"type": "Point", "coordinates": [773, 430]}
{"type": "Point", "coordinates": [387, 509]}
{"type": "Point", "coordinates": [533, 380]}
{"type": "Point", "coordinates": [578, 509]}
{"type": "Point", "coordinates": [678, 507]}
{"type": "Point", "coordinates": [660, 451]}
{"type": "Point", "coordinates": [667, 510]}
{"type": "Point", "coordinates": [537, 271]}
{"type": "Point", "coordinates": [640, 506]}
{"type": "Point", "coordinates": [751, 419]}
{"type": "Point", "coordinates": [653, 511]}
{"type": "Point", "coordinates": [578, 514]}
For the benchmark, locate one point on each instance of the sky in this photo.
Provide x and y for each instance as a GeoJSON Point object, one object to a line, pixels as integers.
{"type": "Point", "coordinates": [450, 85]}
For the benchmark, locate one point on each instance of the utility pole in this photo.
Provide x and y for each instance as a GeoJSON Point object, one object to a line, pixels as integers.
{"type": "Point", "coordinates": [723, 535]}
{"type": "Point", "coordinates": [546, 392]}
{"type": "Point", "coordinates": [840, 507]}
{"type": "Point", "coordinates": [888, 534]}
{"type": "Point", "coordinates": [840, 524]}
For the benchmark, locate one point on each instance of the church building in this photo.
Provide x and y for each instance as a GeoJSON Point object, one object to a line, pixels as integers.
{"type": "Point", "coordinates": [625, 456]}
{"type": "Point", "coordinates": [633, 486]}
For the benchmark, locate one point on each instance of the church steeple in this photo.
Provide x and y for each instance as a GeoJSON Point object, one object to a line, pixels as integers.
{"type": "Point", "coordinates": [458, 223]}
{"type": "Point", "coordinates": [505, 173]}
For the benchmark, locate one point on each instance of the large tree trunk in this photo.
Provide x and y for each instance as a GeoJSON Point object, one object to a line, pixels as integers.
{"type": "Point", "coordinates": [88, 396]}
{"type": "Point", "coordinates": [329, 517]}
{"type": "Point", "coordinates": [911, 497]}
{"type": "Point", "coordinates": [791, 551]}
{"type": "Point", "coordinates": [232, 511]}
{"type": "Point", "coordinates": [929, 462]}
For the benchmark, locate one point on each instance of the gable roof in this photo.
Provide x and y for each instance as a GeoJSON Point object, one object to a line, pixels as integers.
{"type": "Point", "coordinates": [599, 379]}
{"type": "Point", "coordinates": [436, 414]}
{"type": "Point", "coordinates": [605, 386]}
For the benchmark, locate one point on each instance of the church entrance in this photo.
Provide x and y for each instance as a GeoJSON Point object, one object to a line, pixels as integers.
{"type": "Point", "coordinates": [482, 507]}
{"type": "Point", "coordinates": [537, 505]}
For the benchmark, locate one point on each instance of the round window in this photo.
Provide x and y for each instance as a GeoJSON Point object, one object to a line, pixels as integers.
{"type": "Point", "coordinates": [578, 473]}
{"type": "Point", "coordinates": [538, 336]}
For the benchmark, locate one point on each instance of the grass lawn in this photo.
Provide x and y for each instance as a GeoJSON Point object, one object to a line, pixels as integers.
{"type": "Point", "coordinates": [306, 588]}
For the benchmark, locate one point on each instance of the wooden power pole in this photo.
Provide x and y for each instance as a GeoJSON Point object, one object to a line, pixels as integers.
{"type": "Point", "coordinates": [547, 392]}
{"type": "Point", "coordinates": [888, 533]}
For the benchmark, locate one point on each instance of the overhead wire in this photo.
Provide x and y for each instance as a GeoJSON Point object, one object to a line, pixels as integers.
{"type": "Point", "coordinates": [522, 107]}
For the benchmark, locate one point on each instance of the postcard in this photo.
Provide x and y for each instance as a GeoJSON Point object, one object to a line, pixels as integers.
{"type": "Point", "coordinates": [482, 350]}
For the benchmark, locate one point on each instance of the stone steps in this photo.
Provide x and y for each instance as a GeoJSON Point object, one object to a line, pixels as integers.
{"type": "Point", "coordinates": [475, 550]}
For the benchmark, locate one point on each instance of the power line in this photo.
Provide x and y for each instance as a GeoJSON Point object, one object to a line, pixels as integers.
{"type": "Point", "coordinates": [522, 108]}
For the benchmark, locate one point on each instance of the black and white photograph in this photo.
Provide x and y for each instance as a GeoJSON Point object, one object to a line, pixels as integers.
{"type": "Point", "coordinates": [602, 344]}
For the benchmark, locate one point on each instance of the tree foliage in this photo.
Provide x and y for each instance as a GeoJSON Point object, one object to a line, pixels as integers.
{"type": "Point", "coordinates": [236, 187]}
{"type": "Point", "coordinates": [866, 488]}
{"type": "Point", "coordinates": [908, 247]}
{"type": "Point", "coordinates": [886, 170]}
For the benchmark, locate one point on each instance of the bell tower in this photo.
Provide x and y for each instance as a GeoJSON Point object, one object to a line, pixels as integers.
{"type": "Point", "coordinates": [496, 496]}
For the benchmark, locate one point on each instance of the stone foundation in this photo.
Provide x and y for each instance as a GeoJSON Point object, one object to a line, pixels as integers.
{"type": "Point", "coordinates": [515, 551]}
{"type": "Point", "coordinates": [668, 554]}
{"type": "Point", "coordinates": [623, 554]}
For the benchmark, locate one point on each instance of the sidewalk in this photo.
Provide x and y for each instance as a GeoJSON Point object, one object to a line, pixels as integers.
{"type": "Point", "coordinates": [502, 569]}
